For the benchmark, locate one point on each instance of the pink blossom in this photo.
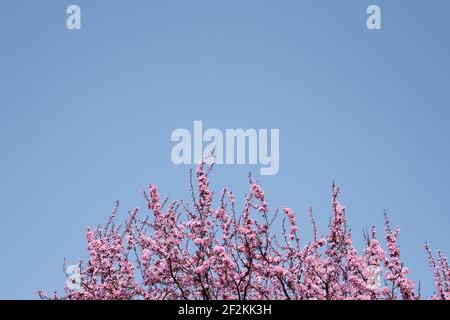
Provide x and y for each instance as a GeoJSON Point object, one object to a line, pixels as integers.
{"type": "Point", "coordinates": [213, 249]}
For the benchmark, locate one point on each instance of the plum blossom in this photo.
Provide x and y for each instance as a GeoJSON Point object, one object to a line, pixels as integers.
{"type": "Point", "coordinates": [213, 249]}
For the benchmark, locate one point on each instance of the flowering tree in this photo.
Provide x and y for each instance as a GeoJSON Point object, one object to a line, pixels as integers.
{"type": "Point", "coordinates": [198, 251]}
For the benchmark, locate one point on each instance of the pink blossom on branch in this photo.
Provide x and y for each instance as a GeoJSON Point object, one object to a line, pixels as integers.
{"type": "Point", "coordinates": [209, 252]}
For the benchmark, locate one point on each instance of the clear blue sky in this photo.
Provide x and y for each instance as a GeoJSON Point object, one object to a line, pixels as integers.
{"type": "Point", "coordinates": [86, 116]}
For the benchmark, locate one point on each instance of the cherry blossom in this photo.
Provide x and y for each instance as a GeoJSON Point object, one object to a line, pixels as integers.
{"type": "Point", "coordinates": [210, 249]}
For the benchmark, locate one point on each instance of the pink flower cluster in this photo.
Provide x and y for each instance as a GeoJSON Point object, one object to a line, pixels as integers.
{"type": "Point", "coordinates": [219, 252]}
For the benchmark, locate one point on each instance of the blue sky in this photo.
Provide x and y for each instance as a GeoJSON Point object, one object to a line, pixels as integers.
{"type": "Point", "coordinates": [86, 115]}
